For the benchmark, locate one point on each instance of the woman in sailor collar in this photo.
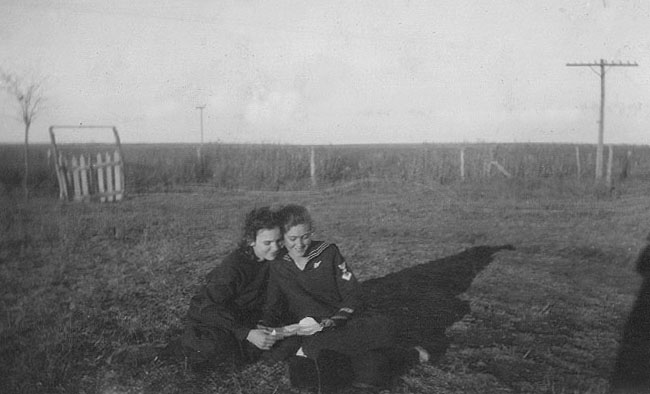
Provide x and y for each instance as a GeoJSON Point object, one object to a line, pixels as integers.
{"type": "Point", "coordinates": [311, 279]}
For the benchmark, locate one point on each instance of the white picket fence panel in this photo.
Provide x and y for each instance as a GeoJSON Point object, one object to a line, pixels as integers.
{"type": "Point", "coordinates": [81, 179]}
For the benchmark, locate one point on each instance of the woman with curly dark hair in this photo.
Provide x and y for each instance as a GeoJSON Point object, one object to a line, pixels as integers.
{"type": "Point", "coordinates": [221, 323]}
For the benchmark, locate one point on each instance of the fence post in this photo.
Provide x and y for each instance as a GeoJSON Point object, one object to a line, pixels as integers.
{"type": "Point", "coordinates": [462, 163]}
{"type": "Point", "coordinates": [625, 170]}
{"type": "Point", "coordinates": [312, 166]}
{"type": "Point", "coordinates": [492, 159]}
{"type": "Point", "coordinates": [579, 171]}
{"type": "Point", "coordinates": [610, 161]}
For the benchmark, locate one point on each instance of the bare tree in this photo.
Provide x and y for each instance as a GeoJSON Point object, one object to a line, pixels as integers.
{"type": "Point", "coordinates": [28, 92]}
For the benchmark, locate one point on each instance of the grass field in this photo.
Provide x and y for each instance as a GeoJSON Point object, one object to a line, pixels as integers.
{"type": "Point", "coordinates": [80, 283]}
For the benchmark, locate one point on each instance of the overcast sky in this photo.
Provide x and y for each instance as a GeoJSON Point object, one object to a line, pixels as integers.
{"type": "Point", "coordinates": [321, 72]}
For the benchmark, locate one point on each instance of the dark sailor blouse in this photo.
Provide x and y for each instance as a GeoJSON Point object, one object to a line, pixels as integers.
{"type": "Point", "coordinates": [325, 288]}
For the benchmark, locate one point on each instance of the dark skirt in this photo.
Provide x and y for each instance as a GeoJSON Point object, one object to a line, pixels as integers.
{"type": "Point", "coordinates": [360, 335]}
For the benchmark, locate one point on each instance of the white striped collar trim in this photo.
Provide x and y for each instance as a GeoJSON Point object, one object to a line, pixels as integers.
{"type": "Point", "coordinates": [312, 254]}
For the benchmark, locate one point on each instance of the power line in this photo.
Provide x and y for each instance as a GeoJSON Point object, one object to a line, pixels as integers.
{"type": "Point", "coordinates": [601, 124]}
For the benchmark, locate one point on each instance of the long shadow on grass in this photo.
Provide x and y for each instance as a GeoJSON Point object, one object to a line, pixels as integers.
{"type": "Point", "coordinates": [423, 300]}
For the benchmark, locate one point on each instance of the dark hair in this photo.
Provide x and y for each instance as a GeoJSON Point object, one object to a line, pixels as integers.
{"type": "Point", "coordinates": [258, 219]}
{"type": "Point", "coordinates": [293, 215]}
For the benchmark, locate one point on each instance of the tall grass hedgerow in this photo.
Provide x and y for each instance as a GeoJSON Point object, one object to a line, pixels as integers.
{"type": "Point", "coordinates": [163, 167]}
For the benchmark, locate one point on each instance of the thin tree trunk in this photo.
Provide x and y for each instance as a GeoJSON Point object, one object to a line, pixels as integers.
{"type": "Point", "coordinates": [26, 154]}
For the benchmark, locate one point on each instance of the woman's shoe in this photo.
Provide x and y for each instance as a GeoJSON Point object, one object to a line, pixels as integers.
{"type": "Point", "coordinates": [423, 354]}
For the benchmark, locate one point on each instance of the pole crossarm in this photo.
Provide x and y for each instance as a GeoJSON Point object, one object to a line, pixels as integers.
{"type": "Point", "coordinates": [617, 64]}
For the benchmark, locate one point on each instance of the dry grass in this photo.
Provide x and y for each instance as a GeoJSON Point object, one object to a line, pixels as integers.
{"type": "Point", "coordinates": [79, 283]}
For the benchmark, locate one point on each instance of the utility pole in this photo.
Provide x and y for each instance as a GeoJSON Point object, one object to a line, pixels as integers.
{"type": "Point", "coordinates": [601, 124]}
{"type": "Point", "coordinates": [201, 146]}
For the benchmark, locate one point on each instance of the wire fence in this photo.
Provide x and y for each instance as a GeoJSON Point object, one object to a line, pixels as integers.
{"type": "Point", "coordinates": [160, 167]}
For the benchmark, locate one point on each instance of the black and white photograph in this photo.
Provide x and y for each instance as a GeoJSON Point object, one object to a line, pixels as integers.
{"type": "Point", "coordinates": [349, 196]}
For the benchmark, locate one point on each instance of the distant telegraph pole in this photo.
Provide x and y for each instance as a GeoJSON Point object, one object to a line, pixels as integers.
{"type": "Point", "coordinates": [201, 146]}
{"type": "Point", "coordinates": [601, 124]}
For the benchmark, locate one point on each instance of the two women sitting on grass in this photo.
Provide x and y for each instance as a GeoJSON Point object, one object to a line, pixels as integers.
{"type": "Point", "coordinates": [311, 314]}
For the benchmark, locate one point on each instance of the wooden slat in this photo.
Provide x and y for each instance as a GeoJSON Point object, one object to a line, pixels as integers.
{"type": "Point", "coordinates": [68, 175]}
{"type": "Point", "coordinates": [83, 174]}
{"type": "Point", "coordinates": [62, 178]}
{"type": "Point", "coordinates": [109, 179]}
{"type": "Point", "coordinates": [104, 164]}
{"type": "Point", "coordinates": [86, 166]}
{"type": "Point", "coordinates": [76, 182]}
{"type": "Point", "coordinates": [119, 178]}
{"type": "Point", "coordinates": [107, 194]}
{"type": "Point", "coordinates": [500, 168]}
{"type": "Point", "coordinates": [100, 177]}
